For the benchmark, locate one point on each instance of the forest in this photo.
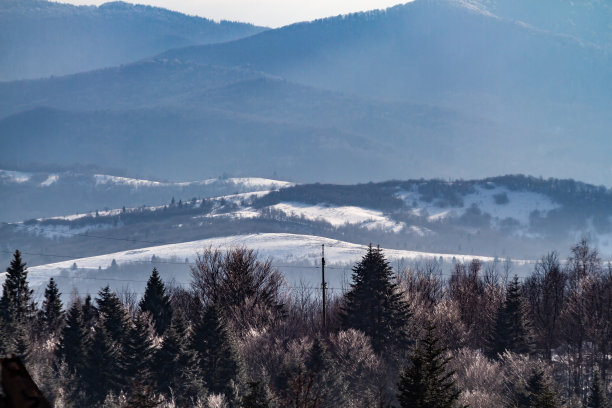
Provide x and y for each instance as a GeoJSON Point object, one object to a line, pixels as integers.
{"type": "Point", "coordinates": [239, 336]}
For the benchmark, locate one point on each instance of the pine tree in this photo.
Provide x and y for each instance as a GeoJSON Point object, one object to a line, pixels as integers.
{"type": "Point", "coordinates": [51, 313]}
{"type": "Point", "coordinates": [175, 363]}
{"type": "Point", "coordinates": [597, 393]}
{"type": "Point", "coordinates": [16, 301]}
{"type": "Point", "coordinates": [17, 310]}
{"type": "Point", "coordinates": [218, 362]}
{"type": "Point", "coordinates": [113, 315]}
{"type": "Point", "coordinates": [102, 372]}
{"type": "Point", "coordinates": [426, 382]}
{"type": "Point", "coordinates": [375, 305]}
{"type": "Point", "coordinates": [539, 392]}
{"type": "Point", "coordinates": [73, 344]}
{"type": "Point", "coordinates": [157, 303]}
{"type": "Point", "coordinates": [512, 330]}
{"type": "Point", "coordinates": [138, 353]}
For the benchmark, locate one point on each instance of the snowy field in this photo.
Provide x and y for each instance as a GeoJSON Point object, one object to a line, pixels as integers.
{"type": "Point", "coordinates": [297, 256]}
{"type": "Point", "coordinates": [341, 215]}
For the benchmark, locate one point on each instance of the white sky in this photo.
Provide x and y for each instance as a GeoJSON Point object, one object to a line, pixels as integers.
{"type": "Point", "coordinates": [271, 13]}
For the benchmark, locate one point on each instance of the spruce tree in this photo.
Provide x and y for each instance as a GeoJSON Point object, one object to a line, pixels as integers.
{"type": "Point", "coordinates": [17, 310]}
{"type": "Point", "coordinates": [51, 313]}
{"type": "Point", "coordinates": [175, 363]}
{"type": "Point", "coordinates": [597, 393]}
{"type": "Point", "coordinates": [157, 303]}
{"type": "Point", "coordinates": [218, 363]}
{"type": "Point", "coordinates": [16, 302]}
{"type": "Point", "coordinates": [73, 344]}
{"type": "Point", "coordinates": [102, 372]}
{"type": "Point", "coordinates": [539, 392]}
{"type": "Point", "coordinates": [375, 305]}
{"type": "Point", "coordinates": [427, 382]}
{"type": "Point", "coordinates": [113, 315]}
{"type": "Point", "coordinates": [138, 353]}
{"type": "Point", "coordinates": [512, 329]}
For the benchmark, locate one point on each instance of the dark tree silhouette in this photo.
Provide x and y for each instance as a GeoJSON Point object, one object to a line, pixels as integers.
{"type": "Point", "coordinates": [512, 330]}
{"type": "Point", "coordinates": [157, 303]}
{"type": "Point", "coordinates": [375, 305]}
{"type": "Point", "coordinates": [426, 382]}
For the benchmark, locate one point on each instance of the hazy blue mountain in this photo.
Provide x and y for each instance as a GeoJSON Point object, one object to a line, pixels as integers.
{"type": "Point", "coordinates": [40, 38]}
{"type": "Point", "coordinates": [429, 89]}
{"type": "Point", "coordinates": [587, 21]}
{"type": "Point", "coordinates": [436, 50]}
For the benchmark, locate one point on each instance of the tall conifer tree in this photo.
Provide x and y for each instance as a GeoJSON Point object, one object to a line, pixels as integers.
{"type": "Point", "coordinates": [138, 353]}
{"type": "Point", "coordinates": [375, 305]}
{"type": "Point", "coordinates": [157, 303]}
{"type": "Point", "coordinates": [73, 344]}
{"type": "Point", "coordinates": [16, 301]}
{"type": "Point", "coordinates": [103, 371]}
{"type": "Point", "coordinates": [17, 310]}
{"type": "Point", "coordinates": [51, 313]}
{"type": "Point", "coordinates": [112, 315]}
{"type": "Point", "coordinates": [512, 330]}
{"type": "Point", "coordinates": [427, 382]}
{"type": "Point", "coordinates": [217, 359]}
{"type": "Point", "coordinates": [175, 363]}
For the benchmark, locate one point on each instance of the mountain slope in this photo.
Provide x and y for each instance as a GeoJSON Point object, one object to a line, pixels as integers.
{"type": "Point", "coordinates": [429, 89]}
{"type": "Point", "coordinates": [424, 50]}
{"type": "Point", "coordinates": [40, 38]}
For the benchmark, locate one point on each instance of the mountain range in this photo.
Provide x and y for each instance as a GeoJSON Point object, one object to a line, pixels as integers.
{"type": "Point", "coordinates": [432, 88]}
{"type": "Point", "coordinates": [41, 38]}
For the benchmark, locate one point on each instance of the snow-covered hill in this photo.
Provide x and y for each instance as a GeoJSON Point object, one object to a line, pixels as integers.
{"type": "Point", "coordinates": [297, 256]}
{"type": "Point", "coordinates": [90, 191]}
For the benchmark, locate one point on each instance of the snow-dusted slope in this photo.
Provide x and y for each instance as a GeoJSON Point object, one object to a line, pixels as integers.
{"type": "Point", "coordinates": [297, 256]}
{"type": "Point", "coordinates": [340, 215]}
{"type": "Point", "coordinates": [499, 202]}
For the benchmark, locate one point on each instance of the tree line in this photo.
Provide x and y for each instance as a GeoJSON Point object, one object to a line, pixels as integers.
{"type": "Point", "coordinates": [239, 337]}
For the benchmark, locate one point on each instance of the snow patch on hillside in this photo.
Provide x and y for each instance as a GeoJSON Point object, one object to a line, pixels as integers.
{"type": "Point", "coordinates": [125, 181]}
{"type": "Point", "coordinates": [520, 204]}
{"type": "Point", "coordinates": [14, 176]}
{"type": "Point", "coordinates": [340, 215]}
{"type": "Point", "coordinates": [244, 182]}
{"type": "Point", "coordinates": [52, 178]}
{"type": "Point", "coordinates": [258, 182]}
{"type": "Point", "coordinates": [498, 202]}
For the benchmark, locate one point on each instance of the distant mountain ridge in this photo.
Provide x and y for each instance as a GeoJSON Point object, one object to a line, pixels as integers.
{"type": "Point", "coordinates": [517, 216]}
{"type": "Point", "coordinates": [431, 88]}
{"type": "Point", "coordinates": [40, 38]}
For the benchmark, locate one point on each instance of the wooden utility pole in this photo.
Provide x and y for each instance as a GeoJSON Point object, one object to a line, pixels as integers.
{"type": "Point", "coordinates": [323, 285]}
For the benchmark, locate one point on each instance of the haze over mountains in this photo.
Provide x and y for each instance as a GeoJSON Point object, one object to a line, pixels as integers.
{"type": "Point", "coordinates": [428, 89]}
{"type": "Point", "coordinates": [40, 38]}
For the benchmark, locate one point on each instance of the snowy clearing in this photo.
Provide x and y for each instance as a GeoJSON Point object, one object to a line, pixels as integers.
{"type": "Point", "coordinates": [340, 215]}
